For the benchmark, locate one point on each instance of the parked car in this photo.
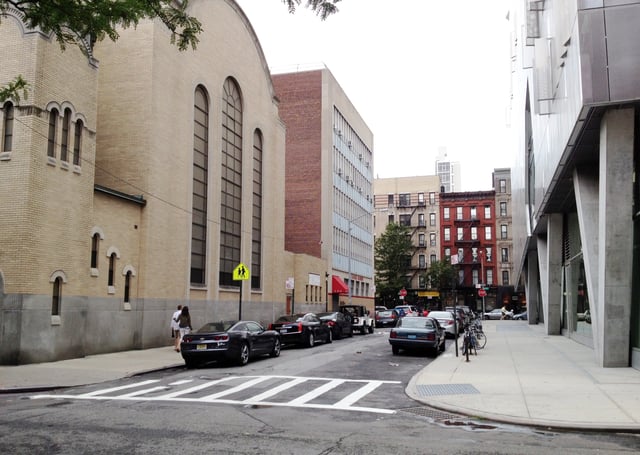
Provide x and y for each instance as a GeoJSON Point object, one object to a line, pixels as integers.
{"type": "Point", "coordinates": [229, 340]}
{"type": "Point", "coordinates": [463, 318]}
{"type": "Point", "coordinates": [340, 324]}
{"type": "Point", "coordinates": [406, 310]}
{"type": "Point", "coordinates": [493, 314]}
{"type": "Point", "coordinates": [445, 318]}
{"type": "Point", "coordinates": [387, 318]}
{"type": "Point", "coordinates": [302, 329]}
{"type": "Point", "coordinates": [520, 316]}
{"type": "Point", "coordinates": [361, 321]}
{"type": "Point", "coordinates": [417, 333]}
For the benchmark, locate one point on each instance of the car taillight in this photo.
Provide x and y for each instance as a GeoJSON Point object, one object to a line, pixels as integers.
{"type": "Point", "coordinates": [270, 326]}
{"type": "Point", "coordinates": [221, 337]}
{"type": "Point", "coordinates": [187, 339]}
{"type": "Point", "coordinates": [331, 323]}
{"type": "Point", "coordinates": [393, 334]}
{"type": "Point", "coordinates": [431, 336]}
{"type": "Point", "coordinates": [377, 317]}
{"type": "Point", "coordinates": [300, 327]}
{"type": "Point", "coordinates": [393, 316]}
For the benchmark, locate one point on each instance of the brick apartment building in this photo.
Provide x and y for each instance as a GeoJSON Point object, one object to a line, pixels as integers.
{"type": "Point", "coordinates": [468, 238]}
{"type": "Point", "coordinates": [412, 202]}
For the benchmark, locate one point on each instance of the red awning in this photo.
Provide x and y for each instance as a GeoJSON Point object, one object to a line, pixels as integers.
{"type": "Point", "coordinates": [338, 286]}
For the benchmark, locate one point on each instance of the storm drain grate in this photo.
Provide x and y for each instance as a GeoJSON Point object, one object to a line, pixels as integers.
{"type": "Point", "coordinates": [445, 389]}
{"type": "Point", "coordinates": [431, 413]}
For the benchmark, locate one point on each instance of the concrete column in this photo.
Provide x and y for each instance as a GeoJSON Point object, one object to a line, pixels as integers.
{"type": "Point", "coordinates": [552, 295]}
{"type": "Point", "coordinates": [531, 289]}
{"type": "Point", "coordinates": [585, 185]}
{"type": "Point", "coordinates": [615, 233]}
{"type": "Point", "coordinates": [543, 276]}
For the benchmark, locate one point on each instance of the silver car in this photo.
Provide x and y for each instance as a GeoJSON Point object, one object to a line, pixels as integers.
{"type": "Point", "coordinates": [445, 318]}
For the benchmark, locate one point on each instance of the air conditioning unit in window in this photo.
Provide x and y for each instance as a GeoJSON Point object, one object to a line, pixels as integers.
{"type": "Point", "coordinates": [340, 172]}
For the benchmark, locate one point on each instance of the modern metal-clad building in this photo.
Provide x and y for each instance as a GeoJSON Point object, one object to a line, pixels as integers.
{"type": "Point", "coordinates": [576, 96]}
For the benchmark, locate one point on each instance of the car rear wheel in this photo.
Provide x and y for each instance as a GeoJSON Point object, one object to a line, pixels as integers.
{"type": "Point", "coordinates": [311, 340]}
{"type": "Point", "coordinates": [395, 350]}
{"type": "Point", "coordinates": [190, 363]}
{"type": "Point", "coordinates": [371, 328]}
{"type": "Point", "coordinates": [243, 358]}
{"type": "Point", "coordinates": [338, 333]}
{"type": "Point", "coordinates": [275, 352]}
{"type": "Point", "coordinates": [329, 336]}
{"type": "Point", "coordinates": [351, 333]}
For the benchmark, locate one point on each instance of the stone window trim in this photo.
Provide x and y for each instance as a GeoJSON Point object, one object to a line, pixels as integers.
{"type": "Point", "coordinates": [57, 278]}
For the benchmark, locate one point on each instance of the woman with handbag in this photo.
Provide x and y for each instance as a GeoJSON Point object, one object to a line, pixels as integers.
{"type": "Point", "coordinates": [184, 323]}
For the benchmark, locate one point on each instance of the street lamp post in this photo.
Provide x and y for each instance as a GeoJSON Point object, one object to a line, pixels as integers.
{"type": "Point", "coordinates": [482, 279]}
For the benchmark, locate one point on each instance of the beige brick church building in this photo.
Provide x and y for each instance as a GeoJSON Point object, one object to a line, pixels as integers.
{"type": "Point", "coordinates": [134, 178]}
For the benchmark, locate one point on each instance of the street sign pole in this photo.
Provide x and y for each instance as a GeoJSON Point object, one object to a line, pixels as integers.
{"type": "Point", "coordinates": [240, 273]}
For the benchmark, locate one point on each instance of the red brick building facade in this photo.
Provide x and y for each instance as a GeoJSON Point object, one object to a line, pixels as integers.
{"type": "Point", "coordinates": [468, 239]}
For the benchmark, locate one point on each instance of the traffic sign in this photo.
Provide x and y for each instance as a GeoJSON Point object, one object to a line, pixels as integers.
{"type": "Point", "coordinates": [482, 292]}
{"type": "Point", "coordinates": [403, 292]}
{"type": "Point", "coordinates": [241, 272]}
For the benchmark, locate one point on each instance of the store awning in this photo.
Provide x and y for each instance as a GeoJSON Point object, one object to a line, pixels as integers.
{"type": "Point", "coordinates": [338, 286]}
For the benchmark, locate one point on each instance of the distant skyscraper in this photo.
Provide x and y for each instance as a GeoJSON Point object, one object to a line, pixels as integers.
{"type": "Point", "coordinates": [448, 171]}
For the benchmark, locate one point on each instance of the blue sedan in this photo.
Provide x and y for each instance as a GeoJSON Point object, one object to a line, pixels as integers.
{"type": "Point", "coordinates": [417, 333]}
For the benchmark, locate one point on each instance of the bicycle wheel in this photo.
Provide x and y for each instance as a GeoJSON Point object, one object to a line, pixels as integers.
{"type": "Point", "coordinates": [481, 340]}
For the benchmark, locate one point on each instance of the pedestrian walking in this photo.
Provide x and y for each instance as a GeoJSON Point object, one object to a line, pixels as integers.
{"type": "Point", "coordinates": [184, 323]}
{"type": "Point", "coordinates": [175, 328]}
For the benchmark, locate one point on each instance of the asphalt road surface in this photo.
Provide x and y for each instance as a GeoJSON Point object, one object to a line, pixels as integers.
{"type": "Point", "coordinates": [342, 398]}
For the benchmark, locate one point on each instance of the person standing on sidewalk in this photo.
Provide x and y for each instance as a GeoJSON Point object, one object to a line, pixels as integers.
{"type": "Point", "coordinates": [184, 323]}
{"type": "Point", "coordinates": [175, 328]}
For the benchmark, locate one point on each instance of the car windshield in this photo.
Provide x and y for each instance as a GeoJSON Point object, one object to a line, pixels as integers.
{"type": "Point", "coordinates": [415, 323]}
{"type": "Point", "coordinates": [385, 313]}
{"type": "Point", "coordinates": [220, 326]}
{"type": "Point", "coordinates": [441, 315]}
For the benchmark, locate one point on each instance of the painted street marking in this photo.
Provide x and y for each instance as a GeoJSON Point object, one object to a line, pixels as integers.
{"type": "Point", "coordinates": [245, 383]}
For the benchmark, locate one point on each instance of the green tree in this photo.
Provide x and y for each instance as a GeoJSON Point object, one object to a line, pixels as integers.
{"type": "Point", "coordinates": [441, 275]}
{"type": "Point", "coordinates": [73, 21]}
{"type": "Point", "coordinates": [392, 260]}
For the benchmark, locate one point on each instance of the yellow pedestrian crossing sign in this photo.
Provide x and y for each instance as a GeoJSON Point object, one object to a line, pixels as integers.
{"type": "Point", "coordinates": [241, 272]}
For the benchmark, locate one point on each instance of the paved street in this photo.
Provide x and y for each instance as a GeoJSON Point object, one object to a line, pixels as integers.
{"type": "Point", "coordinates": [347, 397]}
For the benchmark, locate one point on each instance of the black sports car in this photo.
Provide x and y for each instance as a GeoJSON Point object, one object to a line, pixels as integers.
{"type": "Point", "coordinates": [229, 340]}
{"type": "Point", "coordinates": [302, 329]}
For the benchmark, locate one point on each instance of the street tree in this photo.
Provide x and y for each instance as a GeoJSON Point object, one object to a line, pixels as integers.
{"type": "Point", "coordinates": [441, 276]}
{"type": "Point", "coordinates": [392, 261]}
{"type": "Point", "coordinates": [82, 21]}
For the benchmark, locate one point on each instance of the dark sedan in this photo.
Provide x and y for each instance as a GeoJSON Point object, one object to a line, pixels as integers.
{"type": "Point", "coordinates": [387, 318]}
{"type": "Point", "coordinates": [302, 329]}
{"type": "Point", "coordinates": [418, 333]}
{"type": "Point", "coordinates": [339, 323]}
{"type": "Point", "coordinates": [229, 340]}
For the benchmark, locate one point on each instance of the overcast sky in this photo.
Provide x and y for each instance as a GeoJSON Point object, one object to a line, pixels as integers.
{"type": "Point", "coordinates": [423, 74]}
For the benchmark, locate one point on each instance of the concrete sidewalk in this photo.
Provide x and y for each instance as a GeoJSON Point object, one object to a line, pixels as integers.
{"type": "Point", "coordinates": [87, 370]}
{"type": "Point", "coordinates": [522, 376]}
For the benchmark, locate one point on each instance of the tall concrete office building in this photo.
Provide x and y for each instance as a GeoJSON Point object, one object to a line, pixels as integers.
{"type": "Point", "coordinates": [328, 182]}
{"type": "Point", "coordinates": [448, 171]}
{"type": "Point", "coordinates": [575, 190]}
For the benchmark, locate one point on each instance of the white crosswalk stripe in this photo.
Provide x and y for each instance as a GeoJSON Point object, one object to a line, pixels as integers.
{"type": "Point", "coordinates": [282, 389]}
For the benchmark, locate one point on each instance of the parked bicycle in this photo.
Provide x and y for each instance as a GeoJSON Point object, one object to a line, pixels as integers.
{"type": "Point", "coordinates": [481, 338]}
